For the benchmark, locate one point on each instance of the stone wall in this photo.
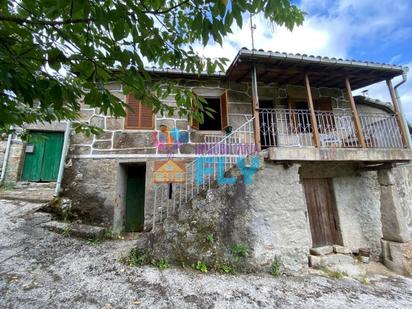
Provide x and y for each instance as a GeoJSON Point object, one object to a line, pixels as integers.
{"type": "Point", "coordinates": [267, 216]}
{"type": "Point", "coordinates": [357, 205]}
{"type": "Point", "coordinates": [403, 183]}
{"type": "Point", "coordinates": [117, 140]}
{"type": "Point", "coordinates": [3, 144]}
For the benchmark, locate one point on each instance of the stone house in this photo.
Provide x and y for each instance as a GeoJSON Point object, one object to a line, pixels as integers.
{"type": "Point", "coordinates": [331, 169]}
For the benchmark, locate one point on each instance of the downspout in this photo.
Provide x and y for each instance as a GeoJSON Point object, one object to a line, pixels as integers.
{"type": "Point", "coordinates": [63, 158]}
{"type": "Point", "coordinates": [6, 157]}
{"type": "Point", "coordinates": [404, 79]}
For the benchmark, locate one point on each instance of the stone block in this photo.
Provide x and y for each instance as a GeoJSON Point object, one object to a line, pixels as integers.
{"type": "Point", "coordinates": [245, 108]}
{"type": "Point", "coordinates": [321, 250]}
{"type": "Point", "coordinates": [341, 249]}
{"type": "Point", "coordinates": [113, 123]}
{"type": "Point", "coordinates": [182, 124]}
{"type": "Point", "coordinates": [169, 123]}
{"type": "Point", "coordinates": [299, 92]}
{"type": "Point", "coordinates": [386, 177]}
{"type": "Point", "coordinates": [242, 87]}
{"type": "Point", "coordinates": [125, 151]}
{"type": "Point", "coordinates": [397, 256]}
{"type": "Point", "coordinates": [102, 144]}
{"type": "Point", "coordinates": [79, 138]}
{"type": "Point", "coordinates": [330, 92]}
{"type": "Point", "coordinates": [80, 150]}
{"type": "Point", "coordinates": [104, 135]}
{"type": "Point", "coordinates": [85, 114]}
{"type": "Point", "coordinates": [394, 223]}
{"type": "Point", "coordinates": [77, 230]}
{"type": "Point", "coordinates": [187, 149]}
{"type": "Point", "coordinates": [132, 140]}
{"type": "Point", "coordinates": [315, 261]}
{"type": "Point", "coordinates": [97, 121]}
{"type": "Point", "coordinates": [211, 83]}
{"type": "Point", "coordinates": [235, 96]}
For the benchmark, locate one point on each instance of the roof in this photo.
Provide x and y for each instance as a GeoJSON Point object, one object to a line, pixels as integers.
{"type": "Point", "coordinates": [286, 68]}
{"type": "Point", "coordinates": [386, 106]}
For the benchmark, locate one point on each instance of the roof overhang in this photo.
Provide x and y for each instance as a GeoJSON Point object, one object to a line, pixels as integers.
{"type": "Point", "coordinates": [283, 68]}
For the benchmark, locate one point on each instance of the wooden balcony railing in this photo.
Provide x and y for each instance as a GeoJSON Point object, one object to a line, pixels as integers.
{"type": "Point", "coordinates": [288, 127]}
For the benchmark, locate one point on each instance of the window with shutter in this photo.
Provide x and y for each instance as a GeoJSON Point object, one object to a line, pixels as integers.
{"type": "Point", "coordinates": [141, 117]}
{"type": "Point", "coordinates": [220, 119]}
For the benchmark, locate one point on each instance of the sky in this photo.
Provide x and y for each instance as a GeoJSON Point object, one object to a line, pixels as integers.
{"type": "Point", "coordinates": [367, 30]}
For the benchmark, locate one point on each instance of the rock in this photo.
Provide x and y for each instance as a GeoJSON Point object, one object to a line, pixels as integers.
{"type": "Point", "coordinates": [321, 250]}
{"type": "Point", "coordinates": [337, 259]}
{"type": "Point", "coordinates": [330, 260]}
{"type": "Point", "coordinates": [315, 261]}
{"type": "Point", "coordinates": [341, 249]}
{"type": "Point", "coordinates": [77, 230]}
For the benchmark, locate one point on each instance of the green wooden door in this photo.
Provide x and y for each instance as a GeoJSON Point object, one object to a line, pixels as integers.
{"type": "Point", "coordinates": [42, 162]}
{"type": "Point", "coordinates": [135, 195]}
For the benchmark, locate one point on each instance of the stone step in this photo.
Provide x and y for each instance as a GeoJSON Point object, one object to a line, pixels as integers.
{"type": "Point", "coordinates": [318, 262]}
{"type": "Point", "coordinates": [76, 230]}
{"type": "Point", "coordinates": [40, 195]}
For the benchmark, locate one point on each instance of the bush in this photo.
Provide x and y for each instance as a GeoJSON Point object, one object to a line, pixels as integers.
{"type": "Point", "coordinates": [136, 258]}
{"type": "Point", "coordinates": [275, 267]}
{"type": "Point", "coordinates": [239, 251]}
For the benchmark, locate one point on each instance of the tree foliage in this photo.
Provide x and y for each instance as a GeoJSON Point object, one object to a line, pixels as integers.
{"type": "Point", "coordinates": [54, 53]}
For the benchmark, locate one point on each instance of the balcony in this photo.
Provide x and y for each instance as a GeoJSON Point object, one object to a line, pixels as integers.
{"type": "Point", "coordinates": [289, 135]}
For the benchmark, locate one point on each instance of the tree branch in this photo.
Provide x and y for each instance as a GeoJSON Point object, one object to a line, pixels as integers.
{"type": "Point", "coordinates": [22, 21]}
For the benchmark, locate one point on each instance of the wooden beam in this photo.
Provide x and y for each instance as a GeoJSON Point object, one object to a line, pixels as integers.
{"type": "Point", "coordinates": [355, 115]}
{"type": "Point", "coordinates": [312, 112]}
{"type": "Point", "coordinates": [397, 110]}
{"type": "Point", "coordinates": [255, 103]}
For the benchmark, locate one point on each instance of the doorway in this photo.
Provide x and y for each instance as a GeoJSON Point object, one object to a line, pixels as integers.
{"type": "Point", "coordinates": [135, 198]}
{"type": "Point", "coordinates": [320, 203]}
{"type": "Point", "coordinates": [42, 157]}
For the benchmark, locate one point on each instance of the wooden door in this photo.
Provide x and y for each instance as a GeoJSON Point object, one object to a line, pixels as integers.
{"type": "Point", "coordinates": [319, 200]}
{"type": "Point", "coordinates": [42, 158]}
{"type": "Point", "coordinates": [135, 197]}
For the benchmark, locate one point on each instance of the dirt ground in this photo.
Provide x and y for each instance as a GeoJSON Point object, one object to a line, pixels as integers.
{"type": "Point", "coordinates": [42, 269]}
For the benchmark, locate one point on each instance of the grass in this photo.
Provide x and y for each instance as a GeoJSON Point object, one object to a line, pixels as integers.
{"type": "Point", "coordinates": [67, 231]}
{"type": "Point", "coordinates": [275, 267]}
{"type": "Point", "coordinates": [200, 266]}
{"type": "Point", "coordinates": [336, 274]}
{"type": "Point", "coordinates": [161, 263]}
{"type": "Point", "coordinates": [136, 258]}
{"type": "Point", "coordinates": [239, 251]}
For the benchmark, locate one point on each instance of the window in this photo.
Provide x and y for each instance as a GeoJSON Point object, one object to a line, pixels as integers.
{"type": "Point", "coordinates": [221, 115]}
{"type": "Point", "coordinates": [141, 117]}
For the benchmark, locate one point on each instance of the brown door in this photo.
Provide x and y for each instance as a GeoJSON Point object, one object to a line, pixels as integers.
{"type": "Point", "coordinates": [318, 192]}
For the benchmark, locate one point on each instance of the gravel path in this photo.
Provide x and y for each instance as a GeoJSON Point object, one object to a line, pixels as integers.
{"type": "Point", "coordinates": [41, 269]}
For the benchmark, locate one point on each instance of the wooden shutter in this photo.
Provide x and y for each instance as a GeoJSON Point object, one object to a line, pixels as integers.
{"type": "Point", "coordinates": [193, 122]}
{"type": "Point", "coordinates": [141, 117]}
{"type": "Point", "coordinates": [224, 112]}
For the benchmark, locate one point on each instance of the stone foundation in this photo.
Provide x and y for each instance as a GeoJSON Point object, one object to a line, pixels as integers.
{"type": "Point", "coordinates": [397, 256]}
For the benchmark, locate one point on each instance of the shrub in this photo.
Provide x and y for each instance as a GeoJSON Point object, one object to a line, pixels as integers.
{"type": "Point", "coordinates": [136, 258]}
{"type": "Point", "coordinates": [275, 267]}
{"type": "Point", "coordinates": [239, 251]}
{"type": "Point", "coordinates": [201, 266]}
{"type": "Point", "coordinates": [161, 263]}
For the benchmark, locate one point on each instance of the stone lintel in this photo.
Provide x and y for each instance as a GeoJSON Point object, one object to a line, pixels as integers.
{"type": "Point", "coordinates": [339, 154]}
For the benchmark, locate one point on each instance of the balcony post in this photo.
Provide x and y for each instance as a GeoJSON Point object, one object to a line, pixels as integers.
{"type": "Point", "coordinates": [399, 119]}
{"type": "Point", "coordinates": [312, 112]}
{"type": "Point", "coordinates": [355, 115]}
{"type": "Point", "coordinates": [255, 103]}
